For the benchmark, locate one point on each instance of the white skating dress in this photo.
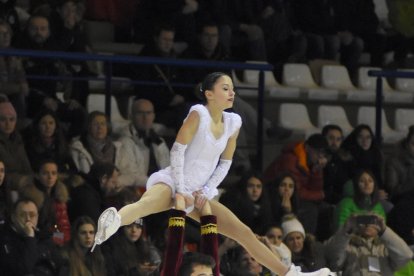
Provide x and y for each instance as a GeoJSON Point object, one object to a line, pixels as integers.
{"type": "Point", "coordinates": [202, 154]}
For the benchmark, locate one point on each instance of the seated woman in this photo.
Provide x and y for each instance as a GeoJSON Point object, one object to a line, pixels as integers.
{"type": "Point", "coordinates": [96, 145]}
{"type": "Point", "coordinates": [79, 259]}
{"type": "Point", "coordinates": [365, 199]}
{"type": "Point", "coordinates": [249, 202]}
{"type": "Point", "coordinates": [283, 199]}
{"type": "Point", "coordinates": [44, 139]}
{"type": "Point", "coordinates": [51, 197]}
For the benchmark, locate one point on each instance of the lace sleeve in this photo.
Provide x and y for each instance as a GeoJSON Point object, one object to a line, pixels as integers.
{"type": "Point", "coordinates": [210, 188]}
{"type": "Point", "coordinates": [177, 165]}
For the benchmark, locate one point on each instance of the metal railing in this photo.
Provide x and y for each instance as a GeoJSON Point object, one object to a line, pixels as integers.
{"type": "Point", "coordinates": [109, 60]}
{"type": "Point", "coordinates": [379, 74]}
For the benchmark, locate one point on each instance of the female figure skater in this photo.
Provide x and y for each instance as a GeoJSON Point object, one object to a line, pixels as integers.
{"type": "Point", "coordinates": [200, 159]}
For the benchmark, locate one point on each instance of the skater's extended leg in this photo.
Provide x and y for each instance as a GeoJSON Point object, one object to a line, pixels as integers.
{"type": "Point", "coordinates": [155, 200]}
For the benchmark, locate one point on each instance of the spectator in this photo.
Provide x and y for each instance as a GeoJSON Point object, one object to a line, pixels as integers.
{"type": "Point", "coordinates": [12, 150]}
{"type": "Point", "coordinates": [401, 219]}
{"type": "Point", "coordinates": [96, 145]}
{"type": "Point", "coordinates": [8, 13]}
{"type": "Point", "coordinates": [305, 160]}
{"type": "Point", "coordinates": [90, 198]}
{"type": "Point", "coordinates": [320, 21]}
{"type": "Point", "coordinates": [43, 92]}
{"type": "Point", "coordinates": [399, 168]}
{"type": "Point", "coordinates": [246, 265]}
{"type": "Point", "coordinates": [22, 251]}
{"type": "Point", "coordinates": [169, 104]}
{"type": "Point", "coordinates": [13, 82]}
{"type": "Point", "coordinates": [340, 166]}
{"type": "Point", "coordinates": [79, 258]}
{"type": "Point", "coordinates": [128, 249]}
{"type": "Point", "coordinates": [365, 151]}
{"type": "Point", "coordinates": [367, 249]}
{"type": "Point", "coordinates": [307, 253]}
{"type": "Point", "coordinates": [275, 236]}
{"type": "Point", "coordinates": [283, 197]}
{"type": "Point", "coordinates": [364, 200]}
{"type": "Point", "coordinates": [44, 139]}
{"type": "Point", "coordinates": [72, 37]}
{"type": "Point", "coordinates": [6, 200]}
{"type": "Point", "coordinates": [144, 148]}
{"type": "Point", "coordinates": [51, 196]}
{"type": "Point", "coordinates": [249, 201]}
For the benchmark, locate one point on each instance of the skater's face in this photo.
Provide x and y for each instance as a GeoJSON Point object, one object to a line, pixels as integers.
{"type": "Point", "coordinates": [286, 187]}
{"type": "Point", "coordinates": [222, 95]}
{"type": "Point", "coordinates": [48, 175]}
{"type": "Point", "coordinates": [254, 188]}
{"type": "Point", "coordinates": [201, 270]}
{"type": "Point", "coordinates": [47, 126]}
{"type": "Point", "coordinates": [99, 128]}
{"type": "Point", "coordinates": [334, 138]}
{"type": "Point", "coordinates": [275, 235]}
{"type": "Point", "coordinates": [133, 232]}
{"type": "Point", "coordinates": [86, 235]}
{"type": "Point", "coordinates": [364, 139]}
{"type": "Point", "coordinates": [295, 242]}
{"type": "Point", "coordinates": [366, 184]}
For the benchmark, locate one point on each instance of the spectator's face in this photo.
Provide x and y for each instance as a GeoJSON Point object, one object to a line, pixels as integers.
{"type": "Point", "coordinates": [254, 188]}
{"type": "Point", "coordinates": [109, 184]}
{"type": "Point", "coordinates": [146, 268]}
{"type": "Point", "coordinates": [317, 158]}
{"type": "Point", "coordinates": [249, 263]}
{"type": "Point", "coordinates": [2, 173]}
{"type": "Point", "coordinates": [334, 138]}
{"type": "Point", "coordinates": [295, 241]}
{"type": "Point", "coordinates": [99, 128]}
{"type": "Point", "coordinates": [5, 36]}
{"type": "Point", "coordinates": [38, 30]}
{"type": "Point", "coordinates": [69, 13]}
{"type": "Point", "coordinates": [366, 184]}
{"type": "Point", "coordinates": [47, 126]}
{"type": "Point", "coordinates": [201, 270]}
{"type": "Point", "coordinates": [368, 230]}
{"type": "Point", "coordinates": [275, 235]}
{"type": "Point", "coordinates": [86, 235]}
{"type": "Point", "coordinates": [287, 187]}
{"type": "Point", "coordinates": [48, 175]}
{"type": "Point", "coordinates": [7, 124]}
{"type": "Point", "coordinates": [165, 42]}
{"type": "Point", "coordinates": [25, 214]}
{"type": "Point", "coordinates": [143, 115]}
{"type": "Point", "coordinates": [209, 38]}
{"type": "Point", "coordinates": [133, 232]}
{"type": "Point", "coordinates": [364, 139]}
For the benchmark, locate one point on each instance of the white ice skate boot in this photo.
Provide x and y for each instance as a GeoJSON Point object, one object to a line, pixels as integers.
{"type": "Point", "coordinates": [295, 271]}
{"type": "Point", "coordinates": [108, 223]}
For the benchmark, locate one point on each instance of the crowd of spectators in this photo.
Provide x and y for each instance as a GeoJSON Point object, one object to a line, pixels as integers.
{"type": "Point", "coordinates": [327, 201]}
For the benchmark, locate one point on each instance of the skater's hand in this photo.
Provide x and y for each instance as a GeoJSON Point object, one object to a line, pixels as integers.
{"type": "Point", "coordinates": [179, 202]}
{"type": "Point", "coordinates": [189, 199]}
{"type": "Point", "coordinates": [201, 204]}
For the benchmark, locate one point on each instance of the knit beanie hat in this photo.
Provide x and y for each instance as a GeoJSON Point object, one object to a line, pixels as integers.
{"type": "Point", "coordinates": [292, 225]}
{"type": "Point", "coordinates": [7, 109]}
